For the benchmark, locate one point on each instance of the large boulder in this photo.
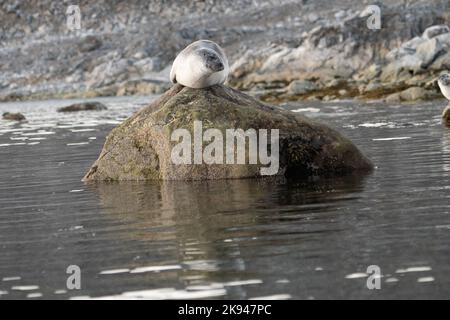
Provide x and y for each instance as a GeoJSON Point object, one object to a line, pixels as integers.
{"type": "Point", "coordinates": [141, 147]}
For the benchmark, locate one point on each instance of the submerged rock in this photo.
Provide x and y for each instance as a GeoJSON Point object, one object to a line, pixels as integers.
{"type": "Point", "coordinates": [141, 147]}
{"type": "Point", "coordinates": [84, 106]}
{"type": "Point", "coordinates": [414, 94]}
{"type": "Point", "coordinates": [13, 116]}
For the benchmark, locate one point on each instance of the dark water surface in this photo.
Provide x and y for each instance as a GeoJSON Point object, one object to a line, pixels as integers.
{"type": "Point", "coordinates": [225, 239]}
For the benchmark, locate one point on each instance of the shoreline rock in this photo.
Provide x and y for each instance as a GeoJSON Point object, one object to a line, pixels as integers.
{"type": "Point", "coordinates": [142, 87]}
{"type": "Point", "coordinates": [411, 94]}
{"type": "Point", "coordinates": [140, 148]}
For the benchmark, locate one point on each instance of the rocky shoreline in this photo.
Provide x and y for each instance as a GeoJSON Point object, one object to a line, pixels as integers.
{"type": "Point", "coordinates": [279, 50]}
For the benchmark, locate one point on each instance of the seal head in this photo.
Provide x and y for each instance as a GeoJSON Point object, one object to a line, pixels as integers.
{"type": "Point", "coordinates": [444, 85]}
{"type": "Point", "coordinates": [211, 59]}
{"type": "Point", "coordinates": [201, 64]}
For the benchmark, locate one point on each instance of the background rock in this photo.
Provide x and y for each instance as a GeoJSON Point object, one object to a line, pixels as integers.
{"type": "Point", "coordinates": [413, 94]}
{"type": "Point", "coordinates": [269, 43]}
{"type": "Point", "coordinates": [301, 87]}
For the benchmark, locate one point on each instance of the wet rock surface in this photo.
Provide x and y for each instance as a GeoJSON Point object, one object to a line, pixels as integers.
{"type": "Point", "coordinates": [140, 148]}
{"type": "Point", "coordinates": [446, 116]}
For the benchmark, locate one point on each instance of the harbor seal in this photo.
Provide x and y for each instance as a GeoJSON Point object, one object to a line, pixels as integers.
{"type": "Point", "coordinates": [201, 64]}
{"type": "Point", "coordinates": [446, 116]}
{"type": "Point", "coordinates": [444, 85]}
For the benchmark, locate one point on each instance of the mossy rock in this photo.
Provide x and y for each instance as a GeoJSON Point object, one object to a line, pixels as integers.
{"type": "Point", "coordinates": [140, 148]}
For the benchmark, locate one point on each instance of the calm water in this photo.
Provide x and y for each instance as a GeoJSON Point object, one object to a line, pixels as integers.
{"type": "Point", "coordinates": [225, 239]}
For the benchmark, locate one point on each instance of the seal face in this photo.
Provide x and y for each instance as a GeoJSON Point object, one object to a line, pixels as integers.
{"type": "Point", "coordinates": [201, 64]}
{"type": "Point", "coordinates": [444, 85]}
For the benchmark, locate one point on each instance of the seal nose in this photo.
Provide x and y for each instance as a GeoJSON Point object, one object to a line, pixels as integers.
{"type": "Point", "coordinates": [219, 66]}
{"type": "Point", "coordinates": [215, 65]}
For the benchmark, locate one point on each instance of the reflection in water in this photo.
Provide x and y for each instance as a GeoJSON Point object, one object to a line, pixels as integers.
{"type": "Point", "coordinates": [195, 211]}
{"type": "Point", "coordinates": [208, 221]}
